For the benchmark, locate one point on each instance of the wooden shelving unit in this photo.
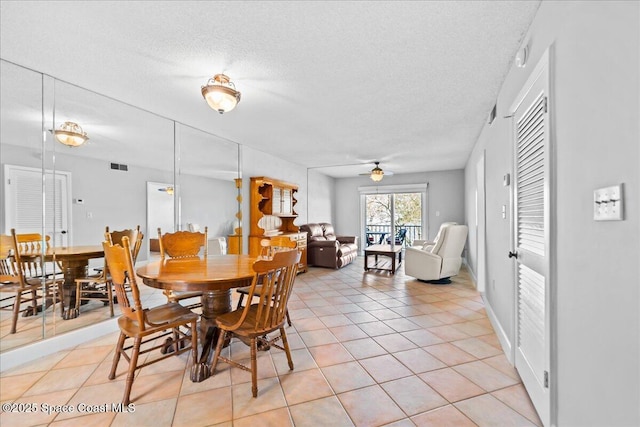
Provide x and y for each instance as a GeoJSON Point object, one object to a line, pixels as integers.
{"type": "Point", "coordinates": [273, 214]}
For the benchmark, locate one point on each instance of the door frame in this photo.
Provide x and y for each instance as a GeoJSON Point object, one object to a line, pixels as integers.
{"type": "Point", "coordinates": [481, 206]}
{"type": "Point", "coordinates": [154, 189]}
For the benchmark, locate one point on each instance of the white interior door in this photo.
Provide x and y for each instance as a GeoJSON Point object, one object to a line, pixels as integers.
{"type": "Point", "coordinates": [24, 203]}
{"type": "Point", "coordinates": [532, 237]}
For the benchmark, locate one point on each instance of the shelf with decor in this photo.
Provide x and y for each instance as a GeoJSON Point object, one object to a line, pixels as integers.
{"type": "Point", "coordinates": [273, 214]}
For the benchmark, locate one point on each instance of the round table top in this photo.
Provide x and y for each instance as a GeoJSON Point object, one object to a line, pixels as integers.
{"type": "Point", "coordinates": [216, 272]}
{"type": "Point", "coordinates": [96, 251]}
{"type": "Point", "coordinates": [69, 252]}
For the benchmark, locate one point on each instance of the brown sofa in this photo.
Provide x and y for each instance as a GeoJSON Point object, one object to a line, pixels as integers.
{"type": "Point", "coordinates": [325, 249]}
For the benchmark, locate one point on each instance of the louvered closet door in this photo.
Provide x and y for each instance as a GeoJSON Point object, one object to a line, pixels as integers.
{"type": "Point", "coordinates": [24, 202]}
{"type": "Point", "coordinates": [531, 239]}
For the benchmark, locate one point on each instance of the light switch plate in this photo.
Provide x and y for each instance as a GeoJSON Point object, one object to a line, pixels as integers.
{"type": "Point", "coordinates": [608, 203]}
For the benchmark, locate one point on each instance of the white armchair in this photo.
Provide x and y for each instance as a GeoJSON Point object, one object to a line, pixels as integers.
{"type": "Point", "coordinates": [421, 242]}
{"type": "Point", "coordinates": [439, 261]}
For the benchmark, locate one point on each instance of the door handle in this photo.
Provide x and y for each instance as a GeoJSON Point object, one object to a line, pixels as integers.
{"type": "Point", "coordinates": [63, 232]}
{"type": "Point", "coordinates": [513, 254]}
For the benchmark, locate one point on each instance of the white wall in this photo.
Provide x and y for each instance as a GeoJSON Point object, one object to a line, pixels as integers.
{"type": "Point", "coordinates": [321, 200]}
{"type": "Point", "coordinates": [595, 88]}
{"type": "Point", "coordinates": [445, 197]}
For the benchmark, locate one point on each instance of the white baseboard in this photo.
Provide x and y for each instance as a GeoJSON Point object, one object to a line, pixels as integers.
{"type": "Point", "coordinates": [500, 332]}
{"type": "Point", "coordinates": [471, 272]}
{"type": "Point", "coordinates": [30, 352]}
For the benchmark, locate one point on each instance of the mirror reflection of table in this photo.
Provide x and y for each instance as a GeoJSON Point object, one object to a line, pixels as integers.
{"type": "Point", "coordinates": [214, 276]}
{"type": "Point", "coordinates": [73, 260]}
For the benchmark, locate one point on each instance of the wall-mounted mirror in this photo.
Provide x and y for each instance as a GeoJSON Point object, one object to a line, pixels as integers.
{"type": "Point", "coordinates": [22, 147]}
{"type": "Point", "coordinates": [207, 168]}
{"type": "Point", "coordinates": [103, 182]}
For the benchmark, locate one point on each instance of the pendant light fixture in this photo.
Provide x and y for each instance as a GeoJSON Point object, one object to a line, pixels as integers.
{"type": "Point", "coordinates": [376, 173]}
{"type": "Point", "coordinates": [221, 94]}
{"type": "Point", "coordinates": [71, 134]}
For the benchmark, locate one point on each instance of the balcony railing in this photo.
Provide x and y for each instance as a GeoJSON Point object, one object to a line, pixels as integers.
{"type": "Point", "coordinates": [378, 234]}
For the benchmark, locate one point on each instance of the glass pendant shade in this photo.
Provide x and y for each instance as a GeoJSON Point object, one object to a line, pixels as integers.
{"type": "Point", "coordinates": [71, 134]}
{"type": "Point", "coordinates": [376, 174]}
{"type": "Point", "coordinates": [221, 94]}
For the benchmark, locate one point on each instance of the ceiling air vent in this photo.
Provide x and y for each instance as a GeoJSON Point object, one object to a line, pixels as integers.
{"type": "Point", "coordinates": [117, 166]}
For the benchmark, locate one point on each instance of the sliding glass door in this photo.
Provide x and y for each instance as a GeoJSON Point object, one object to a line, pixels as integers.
{"type": "Point", "coordinates": [393, 218]}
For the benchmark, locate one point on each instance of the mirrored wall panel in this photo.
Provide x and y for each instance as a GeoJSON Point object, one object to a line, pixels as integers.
{"type": "Point", "coordinates": [207, 169]}
{"type": "Point", "coordinates": [132, 163]}
{"type": "Point", "coordinates": [22, 148]}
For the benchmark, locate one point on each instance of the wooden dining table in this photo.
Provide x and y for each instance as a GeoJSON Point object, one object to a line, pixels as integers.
{"type": "Point", "coordinates": [215, 276]}
{"type": "Point", "coordinates": [74, 262]}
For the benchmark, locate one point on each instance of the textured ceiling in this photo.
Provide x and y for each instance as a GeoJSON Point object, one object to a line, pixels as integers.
{"type": "Point", "coordinates": [323, 83]}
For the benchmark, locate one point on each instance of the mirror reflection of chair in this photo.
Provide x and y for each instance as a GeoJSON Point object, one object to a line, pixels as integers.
{"type": "Point", "coordinates": [23, 276]}
{"type": "Point", "coordinates": [98, 286]}
{"type": "Point", "coordinates": [31, 246]}
{"type": "Point", "coordinates": [217, 246]}
{"type": "Point", "coordinates": [254, 321]}
{"type": "Point", "coordinates": [268, 248]}
{"type": "Point", "coordinates": [145, 326]}
{"type": "Point", "coordinates": [183, 244]}
{"type": "Point", "coordinates": [34, 243]}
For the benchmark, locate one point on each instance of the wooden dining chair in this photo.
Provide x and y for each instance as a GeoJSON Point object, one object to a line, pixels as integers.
{"type": "Point", "coordinates": [22, 276]}
{"type": "Point", "coordinates": [268, 249]}
{"type": "Point", "coordinates": [184, 244]}
{"type": "Point", "coordinates": [98, 286]}
{"type": "Point", "coordinates": [35, 243]}
{"type": "Point", "coordinates": [144, 325]}
{"type": "Point", "coordinates": [255, 321]}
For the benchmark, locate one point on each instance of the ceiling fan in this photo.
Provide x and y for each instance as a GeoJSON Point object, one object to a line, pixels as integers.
{"type": "Point", "coordinates": [376, 174]}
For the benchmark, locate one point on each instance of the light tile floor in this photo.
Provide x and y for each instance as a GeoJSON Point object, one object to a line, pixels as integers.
{"type": "Point", "coordinates": [369, 349]}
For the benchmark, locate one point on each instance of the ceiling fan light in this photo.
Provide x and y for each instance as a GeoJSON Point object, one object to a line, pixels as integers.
{"type": "Point", "coordinates": [377, 174]}
{"type": "Point", "coordinates": [221, 94]}
{"type": "Point", "coordinates": [71, 134]}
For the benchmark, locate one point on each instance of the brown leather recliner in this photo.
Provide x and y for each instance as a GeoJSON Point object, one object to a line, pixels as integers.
{"type": "Point", "coordinates": [325, 249]}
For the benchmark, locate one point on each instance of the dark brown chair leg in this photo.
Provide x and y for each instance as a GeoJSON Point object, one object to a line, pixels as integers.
{"type": "Point", "coordinates": [116, 356]}
{"type": "Point", "coordinates": [16, 311]}
{"type": "Point", "coordinates": [34, 302]}
{"type": "Point", "coordinates": [240, 301]}
{"type": "Point", "coordinates": [133, 363]}
{"type": "Point", "coordinates": [254, 366]}
{"type": "Point", "coordinates": [288, 318]}
{"type": "Point", "coordinates": [285, 344]}
{"type": "Point", "coordinates": [216, 355]}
